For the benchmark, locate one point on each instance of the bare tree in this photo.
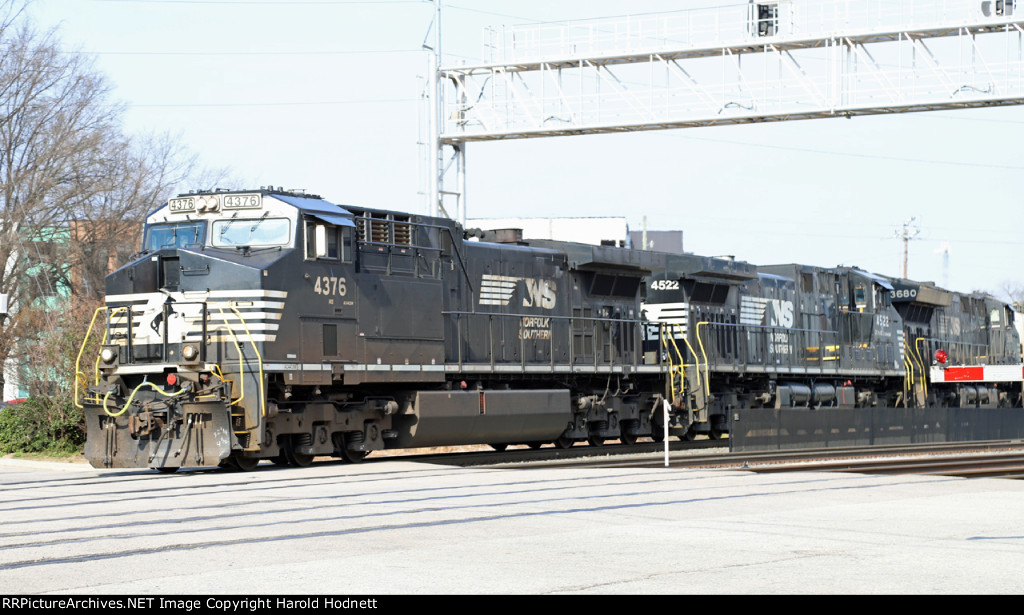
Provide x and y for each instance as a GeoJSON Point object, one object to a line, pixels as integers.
{"type": "Point", "coordinates": [53, 123]}
{"type": "Point", "coordinates": [105, 226]}
{"type": "Point", "coordinates": [1012, 292]}
{"type": "Point", "coordinates": [74, 189]}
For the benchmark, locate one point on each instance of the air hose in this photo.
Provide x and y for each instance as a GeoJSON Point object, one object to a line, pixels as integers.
{"type": "Point", "coordinates": [128, 402]}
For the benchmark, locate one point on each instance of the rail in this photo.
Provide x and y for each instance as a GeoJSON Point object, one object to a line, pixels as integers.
{"type": "Point", "coordinates": [674, 392]}
{"type": "Point", "coordinates": [79, 374]}
{"type": "Point", "coordinates": [725, 344]}
{"type": "Point", "coordinates": [509, 341]}
{"type": "Point", "coordinates": [484, 337]}
{"type": "Point", "coordinates": [262, 400]}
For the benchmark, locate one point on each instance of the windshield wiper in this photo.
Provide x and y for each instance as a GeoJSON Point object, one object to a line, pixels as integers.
{"type": "Point", "coordinates": [252, 229]}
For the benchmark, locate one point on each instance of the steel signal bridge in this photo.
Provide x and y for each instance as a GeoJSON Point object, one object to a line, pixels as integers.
{"type": "Point", "coordinates": [756, 62]}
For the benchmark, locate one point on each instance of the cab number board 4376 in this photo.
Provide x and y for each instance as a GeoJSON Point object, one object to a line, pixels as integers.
{"type": "Point", "coordinates": [242, 201]}
{"type": "Point", "coordinates": [330, 287]}
{"type": "Point", "coordinates": [181, 204]}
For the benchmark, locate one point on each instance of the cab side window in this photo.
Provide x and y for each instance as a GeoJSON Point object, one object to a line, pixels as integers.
{"type": "Point", "coordinates": [327, 241]}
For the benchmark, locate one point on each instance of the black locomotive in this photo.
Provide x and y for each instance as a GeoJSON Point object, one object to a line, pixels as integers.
{"type": "Point", "coordinates": [268, 324]}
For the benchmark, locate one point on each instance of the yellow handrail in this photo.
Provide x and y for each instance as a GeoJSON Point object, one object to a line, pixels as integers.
{"type": "Point", "coordinates": [707, 378]}
{"type": "Point", "coordinates": [908, 377]}
{"type": "Point", "coordinates": [79, 374]}
{"type": "Point", "coordinates": [81, 379]}
{"type": "Point", "coordinates": [671, 363]}
{"type": "Point", "coordinates": [920, 361]}
{"type": "Point", "coordinates": [259, 361]}
{"type": "Point", "coordinates": [238, 349]}
{"type": "Point", "coordinates": [96, 365]}
{"type": "Point", "coordinates": [696, 362]}
{"type": "Point", "coordinates": [679, 354]}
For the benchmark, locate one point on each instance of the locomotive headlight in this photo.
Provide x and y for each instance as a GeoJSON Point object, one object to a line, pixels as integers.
{"type": "Point", "coordinates": [107, 355]}
{"type": "Point", "coordinates": [208, 203]}
{"type": "Point", "coordinates": [189, 352]}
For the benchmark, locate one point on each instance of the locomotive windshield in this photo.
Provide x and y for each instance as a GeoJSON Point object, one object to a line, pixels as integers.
{"type": "Point", "coordinates": [252, 232]}
{"type": "Point", "coordinates": [175, 235]}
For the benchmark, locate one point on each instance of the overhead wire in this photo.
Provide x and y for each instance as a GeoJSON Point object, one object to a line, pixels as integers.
{"type": "Point", "coordinates": [268, 2]}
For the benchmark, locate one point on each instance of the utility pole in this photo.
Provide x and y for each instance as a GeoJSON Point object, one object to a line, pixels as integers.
{"type": "Point", "coordinates": [909, 232]}
{"type": "Point", "coordinates": [434, 147]}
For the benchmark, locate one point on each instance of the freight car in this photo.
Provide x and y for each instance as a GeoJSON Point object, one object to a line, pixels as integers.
{"type": "Point", "coordinates": [272, 324]}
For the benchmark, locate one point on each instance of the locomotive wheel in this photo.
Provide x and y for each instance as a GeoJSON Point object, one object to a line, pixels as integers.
{"type": "Point", "coordinates": [689, 436]}
{"type": "Point", "coordinates": [627, 438]}
{"type": "Point", "coordinates": [564, 442]}
{"type": "Point", "coordinates": [280, 460]}
{"type": "Point", "coordinates": [301, 460]}
{"type": "Point", "coordinates": [715, 434]}
{"type": "Point", "coordinates": [244, 464]}
{"type": "Point", "coordinates": [349, 456]}
{"type": "Point", "coordinates": [498, 447]}
{"type": "Point", "coordinates": [595, 440]}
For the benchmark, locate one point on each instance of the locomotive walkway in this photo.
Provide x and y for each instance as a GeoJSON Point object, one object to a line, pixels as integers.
{"type": "Point", "coordinates": [393, 526]}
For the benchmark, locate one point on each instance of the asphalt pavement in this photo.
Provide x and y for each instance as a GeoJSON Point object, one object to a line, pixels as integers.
{"type": "Point", "coordinates": [395, 527]}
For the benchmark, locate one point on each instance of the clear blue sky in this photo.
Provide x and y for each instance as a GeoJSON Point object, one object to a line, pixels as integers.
{"type": "Point", "coordinates": [323, 95]}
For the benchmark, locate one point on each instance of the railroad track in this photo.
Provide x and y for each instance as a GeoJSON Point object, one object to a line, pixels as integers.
{"type": "Point", "coordinates": [483, 456]}
{"type": "Point", "coordinates": [971, 460]}
{"type": "Point", "coordinates": [1008, 464]}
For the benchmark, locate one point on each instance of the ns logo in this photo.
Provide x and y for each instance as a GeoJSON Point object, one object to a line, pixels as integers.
{"type": "Point", "coordinates": [781, 314]}
{"type": "Point", "coordinates": [498, 290]}
{"type": "Point", "coordinates": [539, 293]}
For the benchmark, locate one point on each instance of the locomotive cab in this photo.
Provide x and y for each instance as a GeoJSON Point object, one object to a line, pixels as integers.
{"type": "Point", "coordinates": [191, 320]}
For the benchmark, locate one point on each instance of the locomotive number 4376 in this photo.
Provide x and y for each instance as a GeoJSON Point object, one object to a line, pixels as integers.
{"type": "Point", "coordinates": [329, 287]}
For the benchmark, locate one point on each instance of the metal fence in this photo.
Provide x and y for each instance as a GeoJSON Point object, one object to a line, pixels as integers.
{"type": "Point", "coordinates": [792, 428]}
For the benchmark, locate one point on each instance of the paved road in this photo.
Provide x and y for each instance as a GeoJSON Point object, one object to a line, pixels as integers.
{"type": "Point", "coordinates": [397, 527]}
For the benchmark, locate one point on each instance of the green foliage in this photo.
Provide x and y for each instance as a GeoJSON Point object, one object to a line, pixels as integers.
{"type": "Point", "coordinates": [41, 425]}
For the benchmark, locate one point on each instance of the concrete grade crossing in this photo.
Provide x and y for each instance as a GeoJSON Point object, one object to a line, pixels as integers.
{"type": "Point", "coordinates": [397, 527]}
